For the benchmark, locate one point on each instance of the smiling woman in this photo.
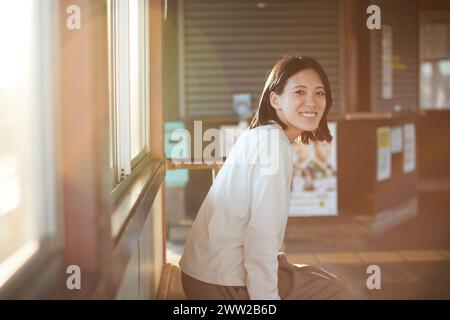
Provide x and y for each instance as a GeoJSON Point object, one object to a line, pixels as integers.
{"type": "Point", "coordinates": [297, 95]}
{"type": "Point", "coordinates": [232, 250]}
{"type": "Point", "coordinates": [302, 102]}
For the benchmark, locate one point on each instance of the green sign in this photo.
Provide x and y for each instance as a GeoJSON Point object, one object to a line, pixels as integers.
{"type": "Point", "coordinates": [180, 177]}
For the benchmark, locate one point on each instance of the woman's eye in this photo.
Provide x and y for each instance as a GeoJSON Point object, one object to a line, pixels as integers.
{"type": "Point", "coordinates": [320, 93]}
{"type": "Point", "coordinates": [300, 92]}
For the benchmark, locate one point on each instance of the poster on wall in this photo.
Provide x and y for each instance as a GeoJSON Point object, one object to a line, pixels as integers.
{"type": "Point", "coordinates": [386, 61]}
{"type": "Point", "coordinates": [383, 153]}
{"type": "Point", "coordinates": [396, 139]}
{"type": "Point", "coordinates": [242, 104]}
{"type": "Point", "coordinates": [314, 182]}
{"type": "Point", "coordinates": [409, 153]}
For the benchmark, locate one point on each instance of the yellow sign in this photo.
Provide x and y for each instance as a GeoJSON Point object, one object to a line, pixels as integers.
{"type": "Point", "coordinates": [383, 139]}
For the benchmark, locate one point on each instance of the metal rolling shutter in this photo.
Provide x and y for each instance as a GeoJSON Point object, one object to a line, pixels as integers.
{"type": "Point", "coordinates": [403, 17]}
{"type": "Point", "coordinates": [231, 44]}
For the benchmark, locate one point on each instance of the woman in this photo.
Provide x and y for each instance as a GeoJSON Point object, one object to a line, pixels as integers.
{"type": "Point", "coordinates": [232, 250]}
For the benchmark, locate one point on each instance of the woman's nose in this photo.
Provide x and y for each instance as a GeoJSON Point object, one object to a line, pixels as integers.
{"type": "Point", "coordinates": [310, 100]}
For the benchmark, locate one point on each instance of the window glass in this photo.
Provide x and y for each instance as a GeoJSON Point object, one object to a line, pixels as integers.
{"type": "Point", "coordinates": [27, 212]}
{"type": "Point", "coordinates": [435, 66]}
{"type": "Point", "coordinates": [128, 83]}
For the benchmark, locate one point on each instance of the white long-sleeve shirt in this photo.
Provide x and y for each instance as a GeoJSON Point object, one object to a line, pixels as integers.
{"type": "Point", "coordinates": [240, 226]}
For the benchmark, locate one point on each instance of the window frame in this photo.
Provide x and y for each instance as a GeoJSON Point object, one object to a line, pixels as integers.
{"type": "Point", "coordinates": [425, 56]}
{"type": "Point", "coordinates": [122, 162]}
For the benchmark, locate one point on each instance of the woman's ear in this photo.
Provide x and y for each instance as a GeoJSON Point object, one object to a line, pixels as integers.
{"type": "Point", "coordinates": [273, 97]}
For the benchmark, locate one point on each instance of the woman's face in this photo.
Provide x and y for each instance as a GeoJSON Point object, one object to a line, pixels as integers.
{"type": "Point", "coordinates": [303, 101]}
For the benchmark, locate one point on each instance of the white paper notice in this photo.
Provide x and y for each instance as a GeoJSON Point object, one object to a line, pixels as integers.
{"type": "Point", "coordinates": [383, 153]}
{"type": "Point", "coordinates": [386, 60]}
{"type": "Point", "coordinates": [396, 139]}
{"type": "Point", "coordinates": [409, 154]}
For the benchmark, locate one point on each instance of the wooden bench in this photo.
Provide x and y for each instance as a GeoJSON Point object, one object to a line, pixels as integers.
{"type": "Point", "coordinates": [170, 287]}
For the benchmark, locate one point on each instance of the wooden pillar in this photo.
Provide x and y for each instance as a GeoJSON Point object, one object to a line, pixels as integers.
{"type": "Point", "coordinates": [156, 93]}
{"type": "Point", "coordinates": [85, 129]}
{"type": "Point", "coordinates": [356, 46]}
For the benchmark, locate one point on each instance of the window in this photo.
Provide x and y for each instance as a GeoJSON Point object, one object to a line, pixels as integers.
{"type": "Point", "coordinates": [27, 180]}
{"type": "Point", "coordinates": [128, 42]}
{"type": "Point", "coordinates": [435, 66]}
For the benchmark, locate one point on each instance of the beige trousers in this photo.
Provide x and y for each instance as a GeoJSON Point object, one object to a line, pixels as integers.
{"type": "Point", "coordinates": [294, 283]}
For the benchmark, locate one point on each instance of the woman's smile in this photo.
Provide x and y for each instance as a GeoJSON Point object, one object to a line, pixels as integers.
{"type": "Point", "coordinates": [308, 115]}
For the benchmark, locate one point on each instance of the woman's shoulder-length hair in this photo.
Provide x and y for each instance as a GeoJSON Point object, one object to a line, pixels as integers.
{"type": "Point", "coordinates": [276, 81]}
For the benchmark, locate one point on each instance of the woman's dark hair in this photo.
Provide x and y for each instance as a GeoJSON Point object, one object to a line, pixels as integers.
{"type": "Point", "coordinates": [276, 81]}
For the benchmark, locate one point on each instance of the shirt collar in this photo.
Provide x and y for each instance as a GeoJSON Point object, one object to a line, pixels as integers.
{"type": "Point", "coordinates": [277, 125]}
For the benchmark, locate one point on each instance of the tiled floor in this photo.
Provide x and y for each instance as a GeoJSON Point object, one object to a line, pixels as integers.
{"type": "Point", "coordinates": [414, 257]}
{"type": "Point", "coordinates": [364, 257]}
{"type": "Point", "coordinates": [404, 274]}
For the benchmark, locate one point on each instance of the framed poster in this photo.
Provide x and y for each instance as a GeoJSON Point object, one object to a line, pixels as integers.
{"type": "Point", "coordinates": [314, 182]}
{"type": "Point", "coordinates": [242, 104]}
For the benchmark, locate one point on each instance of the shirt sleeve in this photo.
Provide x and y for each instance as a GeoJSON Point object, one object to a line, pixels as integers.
{"type": "Point", "coordinates": [268, 192]}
